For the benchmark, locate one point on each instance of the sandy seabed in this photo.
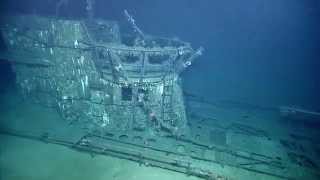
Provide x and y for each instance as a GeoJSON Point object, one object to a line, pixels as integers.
{"type": "Point", "coordinates": [22, 159]}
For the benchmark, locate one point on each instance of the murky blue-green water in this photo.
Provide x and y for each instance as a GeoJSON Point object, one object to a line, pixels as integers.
{"type": "Point", "coordinates": [260, 56]}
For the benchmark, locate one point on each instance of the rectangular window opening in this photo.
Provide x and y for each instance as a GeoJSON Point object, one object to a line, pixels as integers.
{"type": "Point", "coordinates": [126, 93]}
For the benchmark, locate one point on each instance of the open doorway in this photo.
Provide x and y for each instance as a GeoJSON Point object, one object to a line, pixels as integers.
{"type": "Point", "coordinates": [7, 76]}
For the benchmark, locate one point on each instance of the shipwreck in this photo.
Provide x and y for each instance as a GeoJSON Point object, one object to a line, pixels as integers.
{"type": "Point", "coordinates": [121, 95]}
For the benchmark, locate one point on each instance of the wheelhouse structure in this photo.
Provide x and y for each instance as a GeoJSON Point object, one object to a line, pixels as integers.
{"type": "Point", "coordinates": [96, 77]}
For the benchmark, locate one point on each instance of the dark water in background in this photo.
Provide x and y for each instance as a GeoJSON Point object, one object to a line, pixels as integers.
{"type": "Point", "coordinates": [263, 52]}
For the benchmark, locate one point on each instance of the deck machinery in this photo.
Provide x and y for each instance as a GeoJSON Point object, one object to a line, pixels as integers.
{"type": "Point", "coordinates": [124, 91]}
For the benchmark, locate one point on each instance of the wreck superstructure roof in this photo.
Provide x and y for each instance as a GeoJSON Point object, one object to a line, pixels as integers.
{"type": "Point", "coordinates": [32, 38]}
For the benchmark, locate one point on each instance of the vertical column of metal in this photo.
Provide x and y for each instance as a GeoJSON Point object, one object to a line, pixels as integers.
{"type": "Point", "coordinates": [167, 81]}
{"type": "Point", "coordinates": [135, 89]}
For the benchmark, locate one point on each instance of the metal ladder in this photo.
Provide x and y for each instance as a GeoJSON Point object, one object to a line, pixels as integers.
{"type": "Point", "coordinates": [167, 95]}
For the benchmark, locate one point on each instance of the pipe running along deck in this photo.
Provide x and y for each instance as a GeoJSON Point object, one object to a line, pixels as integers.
{"type": "Point", "coordinates": [151, 154]}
